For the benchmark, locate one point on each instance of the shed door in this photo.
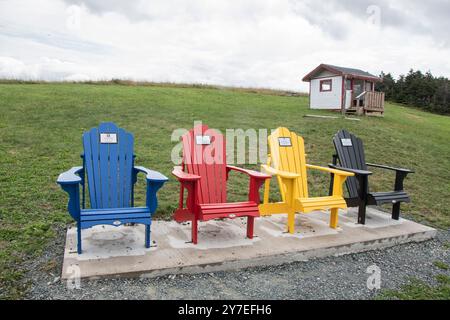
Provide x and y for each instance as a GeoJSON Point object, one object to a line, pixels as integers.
{"type": "Point", "coordinates": [348, 98]}
{"type": "Point", "coordinates": [358, 87]}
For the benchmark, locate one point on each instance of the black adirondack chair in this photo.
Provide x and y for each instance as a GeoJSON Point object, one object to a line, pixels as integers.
{"type": "Point", "coordinates": [350, 157]}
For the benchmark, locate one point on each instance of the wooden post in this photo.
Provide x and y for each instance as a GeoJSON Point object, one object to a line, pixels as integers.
{"type": "Point", "coordinates": [344, 95]}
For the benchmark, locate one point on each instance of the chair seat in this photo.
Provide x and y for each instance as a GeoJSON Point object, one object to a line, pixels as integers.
{"type": "Point", "coordinates": [114, 214]}
{"type": "Point", "coordinates": [378, 198]}
{"type": "Point", "coordinates": [229, 210]}
{"type": "Point", "coordinates": [307, 205]}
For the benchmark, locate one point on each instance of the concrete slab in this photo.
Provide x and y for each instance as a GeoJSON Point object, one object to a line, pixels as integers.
{"type": "Point", "coordinates": [112, 252]}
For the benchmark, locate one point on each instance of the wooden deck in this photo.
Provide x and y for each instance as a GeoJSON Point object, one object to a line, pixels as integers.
{"type": "Point", "coordinates": [371, 103]}
{"type": "Point", "coordinates": [374, 102]}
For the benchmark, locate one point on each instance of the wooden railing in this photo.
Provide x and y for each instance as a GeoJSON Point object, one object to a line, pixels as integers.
{"type": "Point", "coordinates": [374, 101]}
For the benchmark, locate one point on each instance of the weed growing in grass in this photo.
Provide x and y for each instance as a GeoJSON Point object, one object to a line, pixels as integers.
{"type": "Point", "coordinates": [418, 290]}
{"type": "Point", "coordinates": [441, 265]}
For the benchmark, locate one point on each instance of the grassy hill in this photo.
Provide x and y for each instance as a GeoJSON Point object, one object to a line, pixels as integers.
{"type": "Point", "coordinates": [40, 137]}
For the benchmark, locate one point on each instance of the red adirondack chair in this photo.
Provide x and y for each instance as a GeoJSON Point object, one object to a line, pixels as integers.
{"type": "Point", "coordinates": [204, 174]}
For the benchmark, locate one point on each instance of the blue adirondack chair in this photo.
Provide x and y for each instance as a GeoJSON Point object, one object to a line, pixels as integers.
{"type": "Point", "coordinates": [109, 173]}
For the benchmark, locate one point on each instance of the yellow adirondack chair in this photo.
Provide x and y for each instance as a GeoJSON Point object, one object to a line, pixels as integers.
{"type": "Point", "coordinates": [287, 161]}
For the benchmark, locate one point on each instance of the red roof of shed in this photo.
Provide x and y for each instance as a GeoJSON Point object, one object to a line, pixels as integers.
{"type": "Point", "coordinates": [348, 72]}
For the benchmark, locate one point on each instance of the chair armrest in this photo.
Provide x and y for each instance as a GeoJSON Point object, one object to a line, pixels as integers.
{"type": "Point", "coordinates": [188, 182]}
{"type": "Point", "coordinates": [330, 170]}
{"type": "Point", "coordinates": [155, 181]}
{"type": "Point", "coordinates": [153, 176]}
{"type": "Point", "coordinates": [282, 174]}
{"type": "Point", "coordinates": [70, 183]}
{"type": "Point", "coordinates": [183, 176]}
{"type": "Point", "coordinates": [250, 173]}
{"type": "Point", "coordinates": [257, 179]}
{"type": "Point", "coordinates": [70, 177]}
{"type": "Point", "coordinates": [355, 171]}
{"type": "Point", "coordinates": [400, 175]}
{"type": "Point", "coordinates": [390, 168]}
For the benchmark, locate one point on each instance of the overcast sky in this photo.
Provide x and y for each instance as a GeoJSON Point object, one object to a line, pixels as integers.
{"type": "Point", "coordinates": [252, 43]}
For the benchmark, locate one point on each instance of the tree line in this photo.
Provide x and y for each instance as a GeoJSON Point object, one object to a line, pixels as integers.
{"type": "Point", "coordinates": [417, 89]}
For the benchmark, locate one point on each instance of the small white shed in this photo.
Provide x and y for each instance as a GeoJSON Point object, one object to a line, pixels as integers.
{"type": "Point", "coordinates": [336, 88]}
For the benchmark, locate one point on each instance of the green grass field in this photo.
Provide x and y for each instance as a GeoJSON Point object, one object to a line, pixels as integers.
{"type": "Point", "coordinates": [40, 137]}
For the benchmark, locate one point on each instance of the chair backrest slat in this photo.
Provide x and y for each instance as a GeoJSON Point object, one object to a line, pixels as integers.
{"type": "Point", "coordinates": [114, 175]}
{"type": "Point", "coordinates": [350, 152]}
{"type": "Point", "coordinates": [129, 162]}
{"type": "Point", "coordinates": [104, 166]}
{"type": "Point", "coordinates": [288, 154]}
{"type": "Point", "coordinates": [204, 154]}
{"type": "Point", "coordinates": [109, 160]}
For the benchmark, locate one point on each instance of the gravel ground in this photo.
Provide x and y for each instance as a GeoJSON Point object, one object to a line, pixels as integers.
{"type": "Point", "coordinates": [330, 278]}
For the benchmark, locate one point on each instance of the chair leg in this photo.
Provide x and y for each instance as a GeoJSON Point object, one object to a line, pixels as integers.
{"type": "Point", "coordinates": [396, 211]}
{"type": "Point", "coordinates": [334, 218]}
{"type": "Point", "coordinates": [362, 214]}
{"type": "Point", "coordinates": [291, 222]}
{"type": "Point", "coordinates": [195, 231]}
{"type": "Point", "coordinates": [250, 226]}
{"type": "Point", "coordinates": [79, 250]}
{"type": "Point", "coordinates": [147, 235]}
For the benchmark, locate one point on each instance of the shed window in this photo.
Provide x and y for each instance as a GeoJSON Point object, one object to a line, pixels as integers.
{"type": "Point", "coordinates": [326, 85]}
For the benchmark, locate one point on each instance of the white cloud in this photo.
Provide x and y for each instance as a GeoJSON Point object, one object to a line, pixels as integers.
{"type": "Point", "coordinates": [11, 68]}
{"type": "Point", "coordinates": [44, 69]}
{"type": "Point", "coordinates": [259, 43]}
